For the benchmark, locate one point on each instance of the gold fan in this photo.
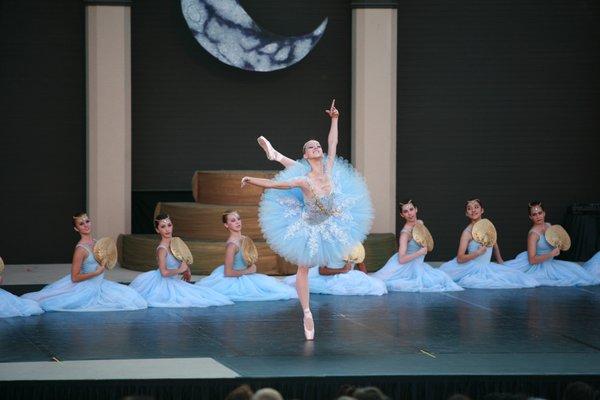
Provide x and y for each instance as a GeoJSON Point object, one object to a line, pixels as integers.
{"type": "Point", "coordinates": [484, 232]}
{"type": "Point", "coordinates": [181, 251]}
{"type": "Point", "coordinates": [357, 255]}
{"type": "Point", "coordinates": [558, 237]}
{"type": "Point", "coordinates": [105, 252]}
{"type": "Point", "coordinates": [249, 251]}
{"type": "Point", "coordinates": [422, 236]}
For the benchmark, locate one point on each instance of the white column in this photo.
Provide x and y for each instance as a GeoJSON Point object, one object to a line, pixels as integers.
{"type": "Point", "coordinates": [108, 44]}
{"type": "Point", "coordinates": [374, 48]}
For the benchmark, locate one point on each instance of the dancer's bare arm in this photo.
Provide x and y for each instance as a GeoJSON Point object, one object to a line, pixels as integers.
{"type": "Point", "coordinates": [332, 138]}
{"type": "Point", "coordinates": [270, 184]}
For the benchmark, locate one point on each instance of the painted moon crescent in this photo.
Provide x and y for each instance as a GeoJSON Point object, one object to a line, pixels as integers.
{"type": "Point", "coordinates": [227, 32]}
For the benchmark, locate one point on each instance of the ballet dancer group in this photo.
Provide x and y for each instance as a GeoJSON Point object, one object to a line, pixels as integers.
{"type": "Point", "coordinates": [313, 213]}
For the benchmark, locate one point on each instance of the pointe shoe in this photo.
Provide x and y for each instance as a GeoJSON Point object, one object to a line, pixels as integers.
{"type": "Point", "coordinates": [272, 154]}
{"type": "Point", "coordinates": [309, 334]}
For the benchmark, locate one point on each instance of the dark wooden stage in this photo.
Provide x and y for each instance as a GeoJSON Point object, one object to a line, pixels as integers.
{"type": "Point", "coordinates": [413, 345]}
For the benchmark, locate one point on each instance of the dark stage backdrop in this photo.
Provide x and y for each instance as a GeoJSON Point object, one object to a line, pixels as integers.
{"type": "Point", "coordinates": [42, 114]}
{"type": "Point", "coordinates": [497, 100]}
{"type": "Point", "coordinates": [190, 111]}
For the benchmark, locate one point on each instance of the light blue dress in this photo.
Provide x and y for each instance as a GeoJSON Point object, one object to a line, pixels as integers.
{"type": "Point", "coordinates": [481, 273]}
{"type": "Point", "coordinates": [552, 272]}
{"type": "Point", "coordinates": [351, 283]}
{"type": "Point", "coordinates": [316, 231]}
{"type": "Point", "coordinates": [94, 294]}
{"type": "Point", "coordinates": [14, 306]}
{"type": "Point", "coordinates": [171, 291]}
{"type": "Point", "coordinates": [249, 287]}
{"type": "Point", "coordinates": [415, 275]}
{"type": "Point", "coordinates": [593, 265]}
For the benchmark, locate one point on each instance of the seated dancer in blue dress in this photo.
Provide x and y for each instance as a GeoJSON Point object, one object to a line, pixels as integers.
{"type": "Point", "coordinates": [472, 267]}
{"type": "Point", "coordinates": [237, 278]}
{"type": "Point", "coordinates": [85, 288]}
{"type": "Point", "coordinates": [538, 261]}
{"type": "Point", "coordinates": [14, 306]}
{"type": "Point", "coordinates": [593, 265]}
{"type": "Point", "coordinates": [169, 286]}
{"type": "Point", "coordinates": [343, 278]}
{"type": "Point", "coordinates": [406, 271]}
{"type": "Point", "coordinates": [314, 211]}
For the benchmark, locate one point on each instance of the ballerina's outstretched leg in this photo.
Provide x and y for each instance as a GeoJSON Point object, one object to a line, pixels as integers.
{"type": "Point", "coordinates": [273, 154]}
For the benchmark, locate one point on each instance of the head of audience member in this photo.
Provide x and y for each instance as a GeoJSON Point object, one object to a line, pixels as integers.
{"type": "Point", "coordinates": [242, 392]}
{"type": "Point", "coordinates": [505, 396]}
{"type": "Point", "coordinates": [369, 393]}
{"type": "Point", "coordinates": [267, 394]}
{"type": "Point", "coordinates": [580, 391]}
{"type": "Point", "coordinates": [459, 396]}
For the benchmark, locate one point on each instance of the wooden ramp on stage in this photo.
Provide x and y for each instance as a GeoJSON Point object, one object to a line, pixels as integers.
{"type": "Point", "coordinates": [412, 345]}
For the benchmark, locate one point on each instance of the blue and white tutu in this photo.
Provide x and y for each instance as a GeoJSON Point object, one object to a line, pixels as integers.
{"type": "Point", "coordinates": [95, 294]}
{"type": "Point", "coordinates": [171, 291]}
{"type": "Point", "coordinates": [14, 306]}
{"type": "Point", "coordinates": [552, 272]}
{"type": "Point", "coordinates": [415, 275]}
{"type": "Point", "coordinates": [351, 283]}
{"type": "Point", "coordinates": [249, 287]}
{"type": "Point", "coordinates": [593, 265]}
{"type": "Point", "coordinates": [310, 233]}
{"type": "Point", "coordinates": [481, 273]}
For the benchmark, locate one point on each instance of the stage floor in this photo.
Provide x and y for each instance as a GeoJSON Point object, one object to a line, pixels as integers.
{"type": "Point", "coordinates": [541, 331]}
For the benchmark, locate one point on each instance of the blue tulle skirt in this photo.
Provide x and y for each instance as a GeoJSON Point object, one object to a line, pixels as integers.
{"type": "Point", "coordinates": [292, 233]}
{"type": "Point", "coordinates": [487, 275]}
{"type": "Point", "coordinates": [14, 306]}
{"type": "Point", "coordinates": [95, 294]}
{"type": "Point", "coordinates": [415, 276]}
{"type": "Point", "coordinates": [351, 283]}
{"type": "Point", "coordinates": [250, 287]}
{"type": "Point", "coordinates": [593, 265]}
{"type": "Point", "coordinates": [553, 272]}
{"type": "Point", "coordinates": [160, 291]}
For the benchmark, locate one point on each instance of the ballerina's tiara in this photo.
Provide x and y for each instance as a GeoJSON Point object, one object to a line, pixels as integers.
{"type": "Point", "coordinates": [83, 216]}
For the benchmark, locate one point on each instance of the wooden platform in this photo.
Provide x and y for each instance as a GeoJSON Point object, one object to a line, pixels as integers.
{"type": "Point", "coordinates": [138, 253]}
{"type": "Point", "coordinates": [223, 187]}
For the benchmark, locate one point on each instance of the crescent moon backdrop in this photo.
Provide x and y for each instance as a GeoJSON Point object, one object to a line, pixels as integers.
{"type": "Point", "coordinates": [225, 30]}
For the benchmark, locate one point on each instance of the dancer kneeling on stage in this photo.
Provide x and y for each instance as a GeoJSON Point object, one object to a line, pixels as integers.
{"type": "Point", "coordinates": [538, 261]}
{"type": "Point", "coordinates": [14, 306]}
{"type": "Point", "coordinates": [472, 267]}
{"type": "Point", "coordinates": [343, 279]}
{"type": "Point", "coordinates": [237, 278]}
{"type": "Point", "coordinates": [406, 271]}
{"type": "Point", "coordinates": [85, 288]}
{"type": "Point", "coordinates": [314, 211]}
{"type": "Point", "coordinates": [164, 286]}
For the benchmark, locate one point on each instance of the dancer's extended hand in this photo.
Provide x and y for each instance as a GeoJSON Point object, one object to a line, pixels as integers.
{"type": "Point", "coordinates": [245, 180]}
{"type": "Point", "coordinates": [333, 112]}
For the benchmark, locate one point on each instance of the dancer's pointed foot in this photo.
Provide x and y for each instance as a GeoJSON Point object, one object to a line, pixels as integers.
{"type": "Point", "coordinates": [309, 325]}
{"type": "Point", "coordinates": [272, 154]}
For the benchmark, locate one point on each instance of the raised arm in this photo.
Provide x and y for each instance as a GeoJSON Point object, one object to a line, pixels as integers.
{"type": "Point", "coordinates": [332, 138]}
{"type": "Point", "coordinates": [270, 184]}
